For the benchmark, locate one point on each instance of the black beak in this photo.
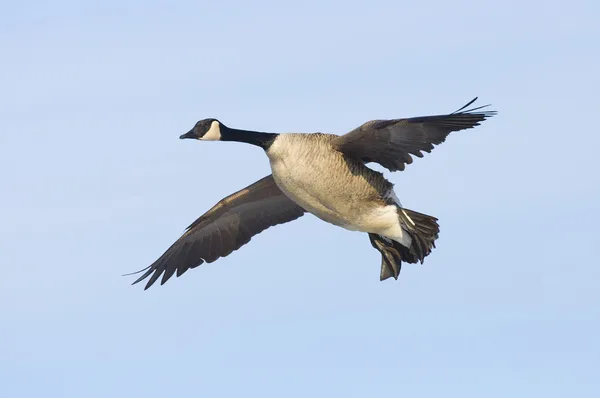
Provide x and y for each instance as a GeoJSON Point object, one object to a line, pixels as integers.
{"type": "Point", "coordinates": [189, 134]}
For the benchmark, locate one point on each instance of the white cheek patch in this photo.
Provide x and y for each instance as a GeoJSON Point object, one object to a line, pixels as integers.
{"type": "Point", "coordinates": [214, 133]}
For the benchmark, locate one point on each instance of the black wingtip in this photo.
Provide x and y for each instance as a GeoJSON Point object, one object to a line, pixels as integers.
{"type": "Point", "coordinates": [464, 106]}
{"type": "Point", "coordinates": [485, 114]}
{"type": "Point", "coordinates": [137, 272]}
{"type": "Point", "coordinates": [149, 270]}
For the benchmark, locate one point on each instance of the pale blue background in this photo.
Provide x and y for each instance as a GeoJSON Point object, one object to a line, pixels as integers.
{"type": "Point", "coordinates": [96, 183]}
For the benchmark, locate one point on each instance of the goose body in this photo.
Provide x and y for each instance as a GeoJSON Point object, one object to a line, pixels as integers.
{"type": "Point", "coordinates": [334, 187]}
{"type": "Point", "coordinates": [325, 175]}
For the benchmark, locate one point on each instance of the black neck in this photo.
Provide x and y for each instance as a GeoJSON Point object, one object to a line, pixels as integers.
{"type": "Point", "coordinates": [263, 140]}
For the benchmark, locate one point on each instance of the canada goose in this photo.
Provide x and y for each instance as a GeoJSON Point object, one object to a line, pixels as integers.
{"type": "Point", "coordinates": [326, 175]}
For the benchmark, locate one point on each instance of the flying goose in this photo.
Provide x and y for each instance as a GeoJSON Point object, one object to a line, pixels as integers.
{"type": "Point", "coordinates": [326, 175]}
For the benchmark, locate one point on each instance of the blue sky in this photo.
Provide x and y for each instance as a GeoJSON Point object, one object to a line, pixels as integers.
{"type": "Point", "coordinates": [95, 183]}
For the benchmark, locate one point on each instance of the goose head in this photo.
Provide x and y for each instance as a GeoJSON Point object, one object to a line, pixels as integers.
{"type": "Point", "coordinates": [213, 130]}
{"type": "Point", "coordinates": [206, 130]}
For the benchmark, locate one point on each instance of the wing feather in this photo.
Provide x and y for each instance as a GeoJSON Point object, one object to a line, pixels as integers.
{"type": "Point", "coordinates": [226, 227]}
{"type": "Point", "coordinates": [392, 143]}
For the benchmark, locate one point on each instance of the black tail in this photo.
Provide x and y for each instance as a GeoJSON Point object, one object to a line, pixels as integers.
{"type": "Point", "coordinates": [423, 230]}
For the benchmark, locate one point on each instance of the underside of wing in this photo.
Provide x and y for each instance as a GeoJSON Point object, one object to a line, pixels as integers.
{"type": "Point", "coordinates": [226, 227]}
{"type": "Point", "coordinates": [392, 142]}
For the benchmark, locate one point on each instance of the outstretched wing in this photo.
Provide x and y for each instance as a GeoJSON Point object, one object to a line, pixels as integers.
{"type": "Point", "coordinates": [226, 227]}
{"type": "Point", "coordinates": [392, 142]}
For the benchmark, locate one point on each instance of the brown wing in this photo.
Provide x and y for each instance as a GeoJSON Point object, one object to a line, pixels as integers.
{"type": "Point", "coordinates": [226, 227]}
{"type": "Point", "coordinates": [392, 142]}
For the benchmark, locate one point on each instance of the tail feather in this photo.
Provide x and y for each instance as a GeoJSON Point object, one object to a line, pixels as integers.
{"type": "Point", "coordinates": [423, 230]}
